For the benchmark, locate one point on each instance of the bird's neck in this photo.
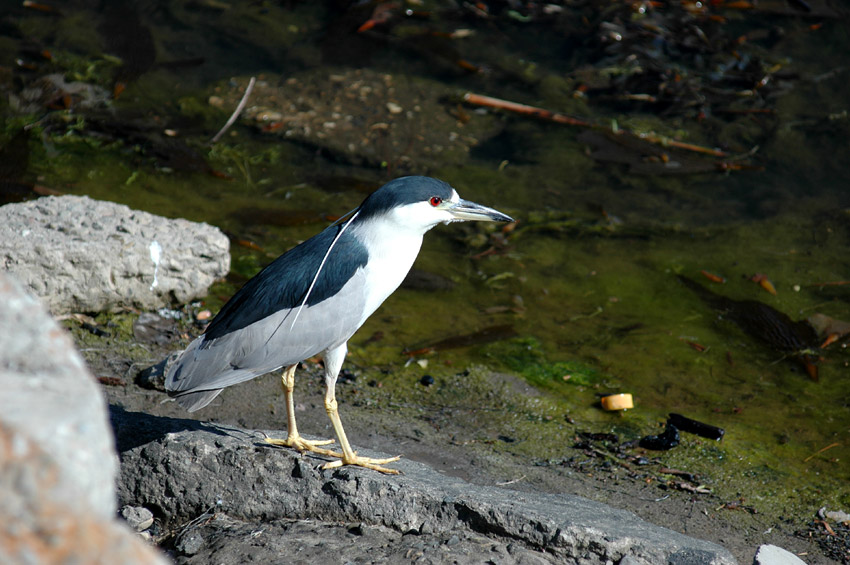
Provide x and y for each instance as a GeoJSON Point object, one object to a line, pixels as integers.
{"type": "Point", "coordinates": [392, 252]}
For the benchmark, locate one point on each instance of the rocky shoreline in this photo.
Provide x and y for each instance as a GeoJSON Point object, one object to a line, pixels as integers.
{"type": "Point", "coordinates": [231, 479]}
{"type": "Point", "coordinates": [218, 493]}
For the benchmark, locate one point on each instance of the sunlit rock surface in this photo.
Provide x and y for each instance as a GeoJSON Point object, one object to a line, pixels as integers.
{"type": "Point", "coordinates": [84, 255]}
{"type": "Point", "coordinates": [258, 502]}
{"type": "Point", "coordinates": [57, 459]}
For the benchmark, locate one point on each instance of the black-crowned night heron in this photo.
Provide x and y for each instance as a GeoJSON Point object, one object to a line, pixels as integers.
{"type": "Point", "coordinates": [313, 298]}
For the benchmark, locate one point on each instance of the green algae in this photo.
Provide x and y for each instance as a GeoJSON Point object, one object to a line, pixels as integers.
{"type": "Point", "coordinates": [524, 356]}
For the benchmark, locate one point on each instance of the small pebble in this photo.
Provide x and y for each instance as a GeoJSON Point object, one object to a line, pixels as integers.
{"type": "Point", "coordinates": [190, 543]}
{"type": "Point", "coordinates": [773, 555]}
{"type": "Point", "coordinates": [137, 517]}
{"type": "Point", "coordinates": [838, 516]}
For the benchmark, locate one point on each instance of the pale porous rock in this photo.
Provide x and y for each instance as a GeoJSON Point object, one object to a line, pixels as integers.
{"type": "Point", "coordinates": [42, 519]}
{"type": "Point", "coordinates": [57, 459]}
{"type": "Point", "coordinates": [137, 517]}
{"type": "Point", "coordinates": [232, 496]}
{"type": "Point", "coordinates": [84, 255]}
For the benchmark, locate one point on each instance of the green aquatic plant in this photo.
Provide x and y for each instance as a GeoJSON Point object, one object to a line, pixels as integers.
{"type": "Point", "coordinates": [525, 356]}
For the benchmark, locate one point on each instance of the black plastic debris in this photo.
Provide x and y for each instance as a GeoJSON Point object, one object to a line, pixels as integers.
{"type": "Point", "coordinates": [694, 427]}
{"type": "Point", "coordinates": [663, 441]}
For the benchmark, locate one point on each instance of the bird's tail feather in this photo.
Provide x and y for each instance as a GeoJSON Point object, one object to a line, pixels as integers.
{"type": "Point", "coordinates": [200, 374]}
{"type": "Point", "coordinates": [192, 401]}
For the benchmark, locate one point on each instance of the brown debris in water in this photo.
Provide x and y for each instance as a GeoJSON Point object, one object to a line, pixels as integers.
{"type": "Point", "coordinates": [765, 323]}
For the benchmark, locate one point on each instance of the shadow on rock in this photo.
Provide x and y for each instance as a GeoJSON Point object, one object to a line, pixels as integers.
{"type": "Point", "coordinates": [135, 429]}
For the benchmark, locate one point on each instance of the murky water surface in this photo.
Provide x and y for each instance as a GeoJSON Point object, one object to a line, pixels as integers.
{"type": "Point", "coordinates": [583, 290]}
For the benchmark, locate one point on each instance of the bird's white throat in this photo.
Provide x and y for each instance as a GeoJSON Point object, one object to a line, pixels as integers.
{"type": "Point", "coordinates": [391, 255]}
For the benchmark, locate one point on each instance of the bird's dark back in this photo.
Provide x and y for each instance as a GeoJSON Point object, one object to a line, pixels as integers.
{"type": "Point", "coordinates": [284, 283]}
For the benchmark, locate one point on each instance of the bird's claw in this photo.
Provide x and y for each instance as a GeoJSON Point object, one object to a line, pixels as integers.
{"type": "Point", "coordinates": [301, 445]}
{"type": "Point", "coordinates": [365, 462]}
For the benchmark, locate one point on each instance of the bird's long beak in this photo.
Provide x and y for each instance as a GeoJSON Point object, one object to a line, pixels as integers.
{"type": "Point", "coordinates": [466, 210]}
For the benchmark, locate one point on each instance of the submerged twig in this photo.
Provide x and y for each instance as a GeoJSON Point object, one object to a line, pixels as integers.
{"type": "Point", "coordinates": [829, 283]}
{"type": "Point", "coordinates": [548, 115]}
{"type": "Point", "coordinates": [667, 142]}
{"type": "Point", "coordinates": [480, 100]}
{"type": "Point", "coordinates": [236, 112]}
{"type": "Point", "coordinates": [819, 451]}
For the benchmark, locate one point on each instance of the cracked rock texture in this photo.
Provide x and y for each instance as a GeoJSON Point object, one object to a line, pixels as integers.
{"type": "Point", "coordinates": [84, 255]}
{"type": "Point", "coordinates": [231, 495]}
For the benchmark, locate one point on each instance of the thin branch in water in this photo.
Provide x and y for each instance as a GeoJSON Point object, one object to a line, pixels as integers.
{"type": "Point", "coordinates": [821, 450]}
{"type": "Point", "coordinates": [523, 109]}
{"type": "Point", "coordinates": [548, 115]}
{"type": "Point", "coordinates": [236, 112]}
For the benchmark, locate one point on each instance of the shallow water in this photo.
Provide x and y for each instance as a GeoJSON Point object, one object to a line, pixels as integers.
{"type": "Point", "coordinates": [587, 278]}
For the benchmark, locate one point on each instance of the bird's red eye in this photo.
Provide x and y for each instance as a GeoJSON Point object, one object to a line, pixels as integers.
{"type": "Point", "coordinates": [435, 201]}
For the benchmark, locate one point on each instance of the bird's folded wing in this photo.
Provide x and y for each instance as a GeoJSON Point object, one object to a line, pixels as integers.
{"type": "Point", "coordinates": [269, 343]}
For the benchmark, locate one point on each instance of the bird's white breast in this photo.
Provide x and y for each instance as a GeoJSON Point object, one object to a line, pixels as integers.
{"type": "Point", "coordinates": [392, 252]}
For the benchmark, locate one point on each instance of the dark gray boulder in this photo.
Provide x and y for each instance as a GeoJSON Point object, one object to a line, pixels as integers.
{"type": "Point", "coordinates": [221, 483]}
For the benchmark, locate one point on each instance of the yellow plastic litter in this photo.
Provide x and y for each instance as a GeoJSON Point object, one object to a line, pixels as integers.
{"type": "Point", "coordinates": [621, 401]}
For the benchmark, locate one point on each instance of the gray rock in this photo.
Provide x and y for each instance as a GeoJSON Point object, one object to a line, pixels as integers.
{"type": "Point", "coordinates": [50, 398]}
{"type": "Point", "coordinates": [57, 462]}
{"type": "Point", "coordinates": [228, 540]}
{"type": "Point", "coordinates": [187, 470]}
{"type": "Point", "coordinates": [629, 560]}
{"type": "Point", "coordinates": [137, 517]}
{"type": "Point", "coordinates": [189, 543]}
{"type": "Point", "coordinates": [153, 377]}
{"type": "Point", "coordinates": [84, 255]}
{"type": "Point", "coordinates": [774, 555]}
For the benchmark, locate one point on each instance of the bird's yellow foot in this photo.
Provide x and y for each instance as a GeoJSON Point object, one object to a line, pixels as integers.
{"type": "Point", "coordinates": [301, 445]}
{"type": "Point", "coordinates": [366, 462]}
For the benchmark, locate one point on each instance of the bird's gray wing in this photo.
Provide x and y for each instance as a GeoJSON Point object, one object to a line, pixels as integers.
{"type": "Point", "coordinates": [211, 364]}
{"type": "Point", "coordinates": [286, 282]}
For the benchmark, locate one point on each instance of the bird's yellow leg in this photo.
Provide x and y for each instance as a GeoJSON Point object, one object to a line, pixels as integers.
{"type": "Point", "coordinates": [293, 439]}
{"type": "Point", "coordinates": [349, 456]}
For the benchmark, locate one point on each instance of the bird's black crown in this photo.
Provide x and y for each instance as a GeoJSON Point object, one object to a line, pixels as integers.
{"type": "Point", "coordinates": [402, 191]}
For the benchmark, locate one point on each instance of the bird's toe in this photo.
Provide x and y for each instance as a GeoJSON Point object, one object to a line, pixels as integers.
{"type": "Point", "coordinates": [301, 445]}
{"type": "Point", "coordinates": [366, 463]}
